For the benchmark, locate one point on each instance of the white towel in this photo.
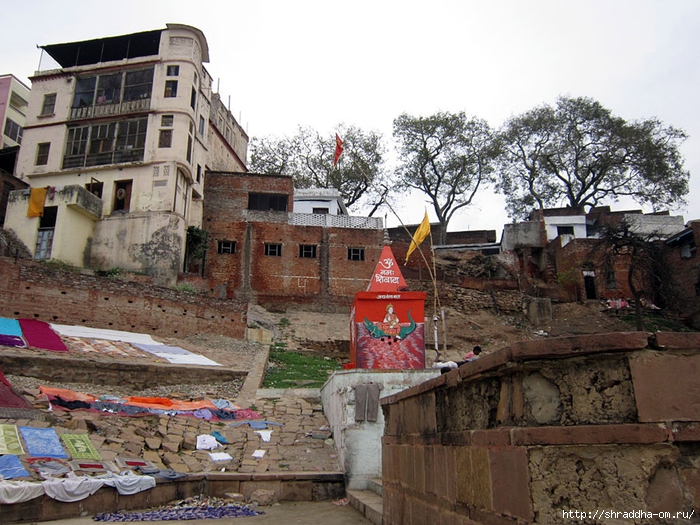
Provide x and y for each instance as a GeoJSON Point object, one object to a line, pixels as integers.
{"type": "Point", "coordinates": [18, 491]}
{"type": "Point", "coordinates": [75, 488]}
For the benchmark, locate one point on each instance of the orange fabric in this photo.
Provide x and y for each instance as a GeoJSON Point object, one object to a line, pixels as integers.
{"type": "Point", "coordinates": [68, 395]}
{"type": "Point", "coordinates": [37, 197]}
{"type": "Point", "coordinates": [162, 403]}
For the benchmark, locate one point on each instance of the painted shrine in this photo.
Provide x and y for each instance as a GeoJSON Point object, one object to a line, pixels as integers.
{"type": "Point", "coordinates": [387, 321]}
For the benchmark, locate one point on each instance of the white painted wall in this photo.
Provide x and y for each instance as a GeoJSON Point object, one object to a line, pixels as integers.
{"type": "Point", "coordinates": [359, 444]}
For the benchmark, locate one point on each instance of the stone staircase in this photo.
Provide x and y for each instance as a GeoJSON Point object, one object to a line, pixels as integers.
{"type": "Point", "coordinates": [369, 501]}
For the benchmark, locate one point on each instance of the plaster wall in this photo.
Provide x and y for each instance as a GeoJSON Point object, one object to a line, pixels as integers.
{"type": "Point", "coordinates": [521, 234]}
{"type": "Point", "coordinates": [359, 442]}
{"type": "Point", "coordinates": [138, 241]}
{"type": "Point", "coordinates": [578, 222]}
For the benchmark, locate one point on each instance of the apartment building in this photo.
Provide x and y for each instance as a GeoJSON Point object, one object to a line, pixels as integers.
{"type": "Point", "coordinates": [117, 140]}
{"type": "Point", "coordinates": [14, 102]}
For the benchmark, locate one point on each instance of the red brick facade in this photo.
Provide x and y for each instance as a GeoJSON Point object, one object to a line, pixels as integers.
{"type": "Point", "coordinates": [38, 291]}
{"type": "Point", "coordinates": [325, 279]}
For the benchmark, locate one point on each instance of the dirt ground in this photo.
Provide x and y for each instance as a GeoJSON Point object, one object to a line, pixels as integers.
{"type": "Point", "coordinates": [301, 330]}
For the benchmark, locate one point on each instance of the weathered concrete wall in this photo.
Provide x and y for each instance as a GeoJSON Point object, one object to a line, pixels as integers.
{"type": "Point", "coordinates": [359, 442]}
{"type": "Point", "coordinates": [591, 423]}
{"type": "Point", "coordinates": [39, 291]}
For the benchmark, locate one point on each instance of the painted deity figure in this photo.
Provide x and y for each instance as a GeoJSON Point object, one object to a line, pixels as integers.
{"type": "Point", "coordinates": [391, 322]}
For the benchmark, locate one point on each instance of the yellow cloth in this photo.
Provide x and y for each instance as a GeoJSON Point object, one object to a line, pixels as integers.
{"type": "Point", "coordinates": [37, 197]}
{"type": "Point", "coordinates": [421, 233]}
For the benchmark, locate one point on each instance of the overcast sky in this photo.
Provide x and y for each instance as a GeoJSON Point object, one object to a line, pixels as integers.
{"type": "Point", "coordinates": [316, 64]}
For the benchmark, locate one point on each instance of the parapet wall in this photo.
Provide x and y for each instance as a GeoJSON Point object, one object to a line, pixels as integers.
{"type": "Point", "coordinates": [606, 422]}
{"type": "Point", "coordinates": [39, 291]}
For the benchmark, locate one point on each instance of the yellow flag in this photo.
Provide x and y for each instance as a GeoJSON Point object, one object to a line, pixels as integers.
{"type": "Point", "coordinates": [421, 233]}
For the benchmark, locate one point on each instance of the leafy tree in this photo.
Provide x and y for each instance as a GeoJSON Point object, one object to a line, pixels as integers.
{"type": "Point", "coordinates": [643, 257]}
{"type": "Point", "coordinates": [579, 154]}
{"type": "Point", "coordinates": [308, 158]}
{"type": "Point", "coordinates": [447, 156]}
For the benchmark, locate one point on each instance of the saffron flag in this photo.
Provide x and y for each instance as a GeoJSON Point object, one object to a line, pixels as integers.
{"type": "Point", "coordinates": [338, 150]}
{"type": "Point", "coordinates": [421, 233]}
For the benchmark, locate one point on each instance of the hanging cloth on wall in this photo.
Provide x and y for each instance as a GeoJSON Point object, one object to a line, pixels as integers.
{"type": "Point", "coordinates": [366, 402]}
{"type": "Point", "coordinates": [37, 197]}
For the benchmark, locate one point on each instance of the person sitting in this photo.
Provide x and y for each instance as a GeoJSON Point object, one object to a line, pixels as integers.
{"type": "Point", "coordinates": [470, 356]}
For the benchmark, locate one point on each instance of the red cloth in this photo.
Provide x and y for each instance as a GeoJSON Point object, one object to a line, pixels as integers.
{"type": "Point", "coordinates": [40, 335]}
{"type": "Point", "coordinates": [9, 397]}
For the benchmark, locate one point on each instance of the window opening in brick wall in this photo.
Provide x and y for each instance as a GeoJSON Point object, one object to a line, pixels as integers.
{"type": "Point", "coordinates": [356, 254]}
{"type": "Point", "coordinates": [307, 251]}
{"type": "Point", "coordinates": [273, 250]}
{"type": "Point", "coordinates": [267, 202]}
{"type": "Point", "coordinates": [226, 247]}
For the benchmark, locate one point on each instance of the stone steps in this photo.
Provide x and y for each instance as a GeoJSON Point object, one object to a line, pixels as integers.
{"type": "Point", "coordinates": [369, 502]}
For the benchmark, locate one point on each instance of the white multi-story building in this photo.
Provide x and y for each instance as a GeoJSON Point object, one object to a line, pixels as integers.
{"type": "Point", "coordinates": [14, 101]}
{"type": "Point", "coordinates": [121, 135]}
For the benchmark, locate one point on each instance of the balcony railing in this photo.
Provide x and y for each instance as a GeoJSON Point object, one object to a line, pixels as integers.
{"type": "Point", "coordinates": [109, 110]}
{"type": "Point", "coordinates": [314, 219]}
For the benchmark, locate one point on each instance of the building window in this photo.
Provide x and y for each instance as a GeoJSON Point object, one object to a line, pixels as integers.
{"type": "Point", "coordinates": [307, 251]}
{"type": "Point", "coordinates": [49, 104]}
{"type": "Point", "coordinates": [170, 89]}
{"type": "Point", "coordinates": [173, 71]}
{"type": "Point", "coordinates": [267, 202]}
{"type": "Point", "coordinates": [199, 173]}
{"type": "Point", "coordinates": [565, 230]}
{"type": "Point", "coordinates": [107, 143]}
{"type": "Point", "coordinates": [13, 130]}
{"type": "Point", "coordinates": [226, 247]}
{"type": "Point", "coordinates": [122, 195]}
{"type": "Point", "coordinates": [193, 98]}
{"type": "Point", "coordinates": [356, 254]}
{"type": "Point", "coordinates": [42, 153]}
{"type": "Point", "coordinates": [273, 250]}
{"type": "Point", "coordinates": [320, 211]}
{"type": "Point", "coordinates": [165, 140]}
{"type": "Point", "coordinates": [610, 280]}
{"type": "Point", "coordinates": [44, 239]}
{"type": "Point", "coordinates": [167, 121]}
{"type": "Point", "coordinates": [95, 187]}
{"type": "Point", "coordinates": [201, 125]}
{"type": "Point", "coordinates": [111, 89]}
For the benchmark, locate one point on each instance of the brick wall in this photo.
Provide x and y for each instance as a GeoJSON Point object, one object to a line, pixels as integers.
{"type": "Point", "coordinates": [39, 291]}
{"type": "Point", "coordinates": [326, 282]}
{"type": "Point", "coordinates": [521, 435]}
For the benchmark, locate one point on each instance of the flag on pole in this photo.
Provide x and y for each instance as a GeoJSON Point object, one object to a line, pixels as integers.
{"type": "Point", "coordinates": [338, 149]}
{"type": "Point", "coordinates": [421, 233]}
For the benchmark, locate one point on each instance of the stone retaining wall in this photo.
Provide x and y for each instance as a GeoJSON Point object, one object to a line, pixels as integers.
{"type": "Point", "coordinates": [591, 423]}
{"type": "Point", "coordinates": [290, 486]}
{"type": "Point", "coordinates": [40, 291]}
{"type": "Point", "coordinates": [61, 369]}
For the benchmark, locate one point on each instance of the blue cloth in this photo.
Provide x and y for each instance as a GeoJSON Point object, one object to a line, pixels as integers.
{"type": "Point", "coordinates": [255, 424]}
{"type": "Point", "coordinates": [11, 467]}
{"type": "Point", "coordinates": [42, 442]}
{"type": "Point", "coordinates": [10, 327]}
{"type": "Point", "coordinates": [181, 513]}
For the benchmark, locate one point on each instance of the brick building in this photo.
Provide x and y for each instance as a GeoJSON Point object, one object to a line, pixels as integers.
{"type": "Point", "coordinates": [260, 250]}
